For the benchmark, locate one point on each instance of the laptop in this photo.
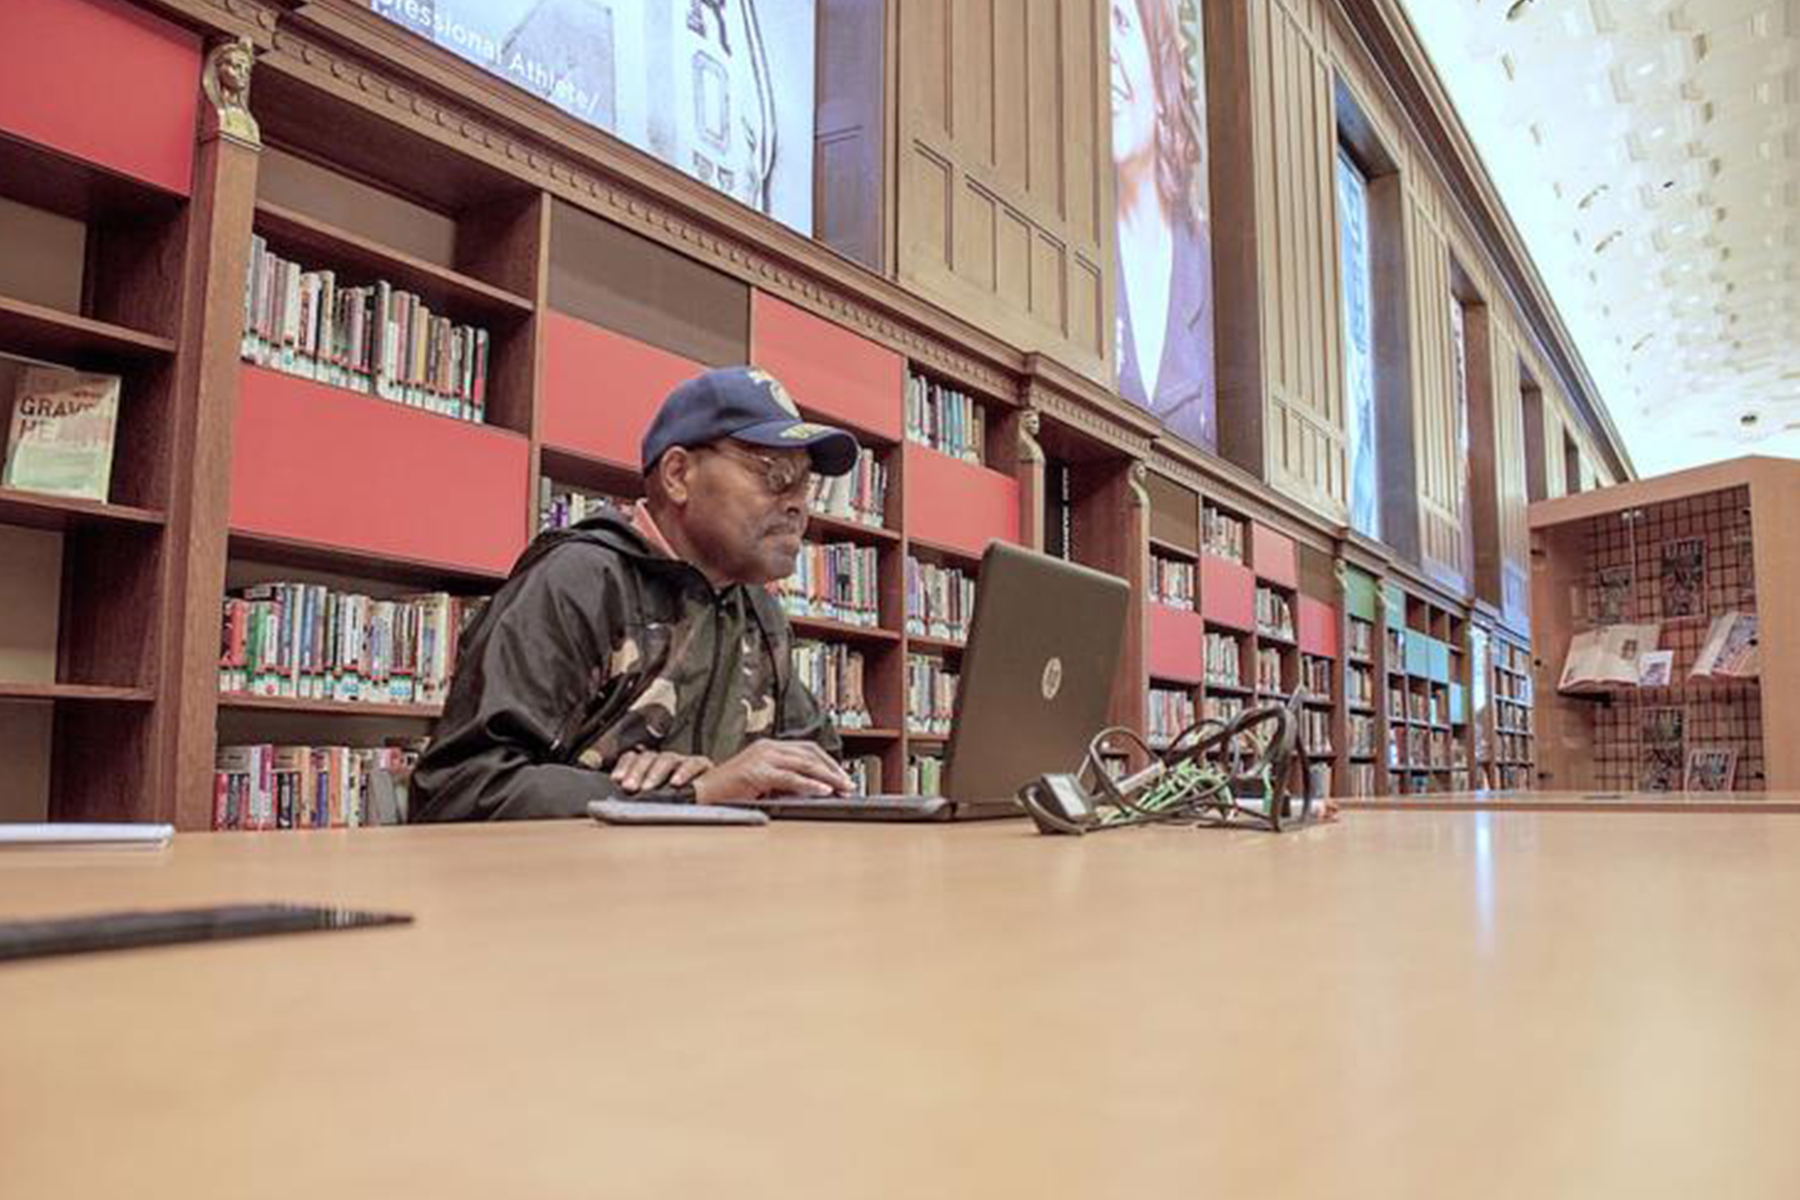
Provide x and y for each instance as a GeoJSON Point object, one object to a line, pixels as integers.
{"type": "Point", "coordinates": [1036, 684]}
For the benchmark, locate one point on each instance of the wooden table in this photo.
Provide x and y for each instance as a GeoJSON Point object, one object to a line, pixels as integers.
{"type": "Point", "coordinates": [1400, 1005]}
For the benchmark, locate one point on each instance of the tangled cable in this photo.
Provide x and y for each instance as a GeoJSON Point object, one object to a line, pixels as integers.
{"type": "Point", "coordinates": [1213, 773]}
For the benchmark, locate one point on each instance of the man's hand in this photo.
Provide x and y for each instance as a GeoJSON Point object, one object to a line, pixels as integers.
{"type": "Point", "coordinates": [772, 768]}
{"type": "Point", "coordinates": [650, 770]}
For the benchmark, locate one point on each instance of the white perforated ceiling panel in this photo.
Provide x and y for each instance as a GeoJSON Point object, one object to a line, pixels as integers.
{"type": "Point", "coordinates": [1649, 152]}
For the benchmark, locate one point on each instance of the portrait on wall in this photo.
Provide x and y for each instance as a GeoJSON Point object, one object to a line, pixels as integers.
{"type": "Point", "coordinates": [721, 89]}
{"type": "Point", "coordinates": [1359, 345]}
{"type": "Point", "coordinates": [1164, 328]}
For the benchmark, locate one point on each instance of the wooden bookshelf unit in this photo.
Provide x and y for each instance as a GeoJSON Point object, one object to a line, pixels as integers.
{"type": "Point", "coordinates": [1683, 552]}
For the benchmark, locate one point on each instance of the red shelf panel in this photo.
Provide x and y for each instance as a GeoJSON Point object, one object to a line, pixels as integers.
{"type": "Point", "coordinates": [958, 504]}
{"type": "Point", "coordinates": [827, 368]}
{"type": "Point", "coordinates": [1227, 593]}
{"type": "Point", "coordinates": [1318, 623]}
{"type": "Point", "coordinates": [601, 389]}
{"type": "Point", "coordinates": [1174, 650]}
{"type": "Point", "coordinates": [324, 465]}
{"type": "Point", "coordinates": [1272, 556]}
{"type": "Point", "coordinates": [105, 82]}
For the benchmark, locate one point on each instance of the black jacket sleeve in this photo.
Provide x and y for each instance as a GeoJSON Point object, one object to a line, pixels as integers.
{"type": "Point", "coordinates": [523, 681]}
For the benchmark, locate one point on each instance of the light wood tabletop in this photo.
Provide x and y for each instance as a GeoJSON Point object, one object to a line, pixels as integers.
{"type": "Point", "coordinates": [1400, 1004]}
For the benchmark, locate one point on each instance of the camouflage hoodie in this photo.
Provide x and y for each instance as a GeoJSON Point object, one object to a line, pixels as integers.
{"type": "Point", "coordinates": [597, 644]}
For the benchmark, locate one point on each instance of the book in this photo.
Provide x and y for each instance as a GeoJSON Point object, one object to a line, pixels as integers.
{"type": "Point", "coordinates": [1684, 578]}
{"type": "Point", "coordinates": [1730, 648]}
{"type": "Point", "coordinates": [1710, 769]}
{"type": "Point", "coordinates": [1612, 594]}
{"type": "Point", "coordinates": [1656, 668]}
{"type": "Point", "coordinates": [1607, 655]}
{"type": "Point", "coordinates": [1660, 735]}
{"type": "Point", "coordinates": [60, 438]}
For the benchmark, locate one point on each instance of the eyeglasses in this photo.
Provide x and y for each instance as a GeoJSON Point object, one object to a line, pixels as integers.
{"type": "Point", "coordinates": [780, 476]}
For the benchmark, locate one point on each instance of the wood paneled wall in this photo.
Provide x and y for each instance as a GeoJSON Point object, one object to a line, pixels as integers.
{"type": "Point", "coordinates": [1005, 170]}
{"type": "Point", "coordinates": [1304, 449]}
{"type": "Point", "coordinates": [1434, 393]}
{"type": "Point", "coordinates": [1004, 216]}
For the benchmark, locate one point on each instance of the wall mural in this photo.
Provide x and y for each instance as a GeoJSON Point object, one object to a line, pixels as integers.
{"type": "Point", "coordinates": [721, 89]}
{"type": "Point", "coordinates": [1164, 332]}
{"type": "Point", "coordinates": [1359, 345]}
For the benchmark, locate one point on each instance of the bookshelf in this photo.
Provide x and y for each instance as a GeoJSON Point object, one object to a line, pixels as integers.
{"type": "Point", "coordinates": [1426, 704]}
{"type": "Point", "coordinates": [1265, 620]}
{"type": "Point", "coordinates": [1515, 741]}
{"type": "Point", "coordinates": [95, 216]}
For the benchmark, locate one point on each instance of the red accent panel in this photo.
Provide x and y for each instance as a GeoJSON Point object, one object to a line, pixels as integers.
{"type": "Point", "coordinates": [1318, 623]}
{"type": "Point", "coordinates": [325, 465]}
{"type": "Point", "coordinates": [1175, 644]}
{"type": "Point", "coordinates": [958, 504]}
{"type": "Point", "coordinates": [827, 368]}
{"type": "Point", "coordinates": [104, 82]}
{"type": "Point", "coordinates": [1227, 593]}
{"type": "Point", "coordinates": [601, 389]}
{"type": "Point", "coordinates": [1272, 556]}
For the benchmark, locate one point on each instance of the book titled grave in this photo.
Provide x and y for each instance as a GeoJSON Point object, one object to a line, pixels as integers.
{"type": "Point", "coordinates": [61, 435]}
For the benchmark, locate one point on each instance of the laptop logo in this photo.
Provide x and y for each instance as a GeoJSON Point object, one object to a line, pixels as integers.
{"type": "Point", "coordinates": [1052, 682]}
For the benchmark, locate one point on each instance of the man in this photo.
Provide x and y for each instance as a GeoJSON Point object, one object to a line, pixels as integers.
{"type": "Point", "coordinates": [641, 652]}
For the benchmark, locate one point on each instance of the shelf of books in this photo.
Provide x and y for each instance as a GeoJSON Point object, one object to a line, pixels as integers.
{"type": "Point", "coordinates": [94, 199]}
{"type": "Point", "coordinates": [1514, 746]}
{"type": "Point", "coordinates": [956, 501]}
{"type": "Point", "coordinates": [1364, 686]}
{"type": "Point", "coordinates": [1426, 697]}
{"type": "Point", "coordinates": [1239, 614]}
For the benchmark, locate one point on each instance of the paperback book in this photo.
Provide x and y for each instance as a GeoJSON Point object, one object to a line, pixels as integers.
{"type": "Point", "coordinates": [1684, 578]}
{"type": "Point", "coordinates": [1661, 736]}
{"type": "Point", "coordinates": [1710, 769]}
{"type": "Point", "coordinates": [60, 438]}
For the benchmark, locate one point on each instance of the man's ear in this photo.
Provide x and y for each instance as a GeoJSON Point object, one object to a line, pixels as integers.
{"type": "Point", "coordinates": [675, 471]}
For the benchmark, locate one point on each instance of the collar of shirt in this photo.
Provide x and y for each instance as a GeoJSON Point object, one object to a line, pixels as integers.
{"type": "Point", "coordinates": [645, 524]}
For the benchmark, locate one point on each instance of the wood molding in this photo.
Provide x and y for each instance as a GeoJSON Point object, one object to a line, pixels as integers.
{"type": "Point", "coordinates": [235, 18]}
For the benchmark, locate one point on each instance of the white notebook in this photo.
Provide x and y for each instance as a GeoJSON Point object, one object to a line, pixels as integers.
{"type": "Point", "coordinates": [78, 834]}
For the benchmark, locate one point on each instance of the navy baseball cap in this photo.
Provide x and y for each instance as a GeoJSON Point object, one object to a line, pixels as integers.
{"type": "Point", "coordinates": [747, 405]}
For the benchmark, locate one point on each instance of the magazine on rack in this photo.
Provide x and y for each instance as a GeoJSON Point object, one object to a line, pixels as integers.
{"type": "Point", "coordinates": [1730, 648]}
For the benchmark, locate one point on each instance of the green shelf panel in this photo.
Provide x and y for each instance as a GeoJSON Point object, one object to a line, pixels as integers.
{"type": "Point", "coordinates": [1360, 595]}
{"type": "Point", "coordinates": [1396, 605]}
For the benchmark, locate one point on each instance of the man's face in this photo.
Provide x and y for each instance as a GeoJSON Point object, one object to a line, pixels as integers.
{"type": "Point", "coordinates": [746, 509]}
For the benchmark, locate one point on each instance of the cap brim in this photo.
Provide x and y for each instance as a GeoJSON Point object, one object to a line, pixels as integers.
{"type": "Point", "coordinates": [833, 450]}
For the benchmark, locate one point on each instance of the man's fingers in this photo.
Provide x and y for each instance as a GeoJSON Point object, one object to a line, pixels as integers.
{"type": "Point", "coordinates": [622, 767]}
{"type": "Point", "coordinates": [691, 768]}
{"type": "Point", "coordinates": [780, 781]}
{"type": "Point", "coordinates": [660, 768]}
{"type": "Point", "coordinates": [821, 765]}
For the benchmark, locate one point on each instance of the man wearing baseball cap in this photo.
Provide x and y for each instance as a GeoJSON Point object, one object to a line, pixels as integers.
{"type": "Point", "coordinates": [640, 653]}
